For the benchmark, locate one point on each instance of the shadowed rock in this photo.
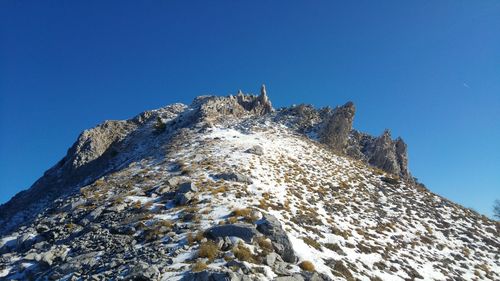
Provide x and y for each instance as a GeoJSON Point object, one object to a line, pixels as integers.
{"type": "Point", "coordinates": [271, 227]}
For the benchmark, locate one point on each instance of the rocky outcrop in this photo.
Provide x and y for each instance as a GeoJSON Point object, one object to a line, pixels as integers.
{"type": "Point", "coordinates": [213, 108]}
{"type": "Point", "coordinates": [87, 159]}
{"type": "Point", "coordinates": [335, 130]}
{"type": "Point", "coordinates": [337, 126]}
{"type": "Point", "coordinates": [382, 152]}
{"type": "Point", "coordinates": [96, 151]}
{"type": "Point", "coordinates": [402, 157]}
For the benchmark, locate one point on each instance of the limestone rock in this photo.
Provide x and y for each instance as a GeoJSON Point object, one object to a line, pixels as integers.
{"type": "Point", "coordinates": [186, 187]}
{"type": "Point", "coordinates": [243, 231]}
{"type": "Point", "coordinates": [257, 150]}
{"type": "Point", "coordinates": [233, 176]}
{"type": "Point", "coordinates": [337, 127]}
{"type": "Point", "coordinates": [383, 154]}
{"type": "Point", "coordinates": [212, 108]}
{"type": "Point", "coordinates": [183, 198]}
{"type": "Point", "coordinates": [271, 227]}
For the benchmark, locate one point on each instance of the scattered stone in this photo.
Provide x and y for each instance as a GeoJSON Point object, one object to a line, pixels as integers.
{"type": "Point", "coordinates": [143, 271]}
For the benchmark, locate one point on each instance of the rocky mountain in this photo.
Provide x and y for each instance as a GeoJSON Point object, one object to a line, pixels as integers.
{"type": "Point", "coordinates": [229, 188]}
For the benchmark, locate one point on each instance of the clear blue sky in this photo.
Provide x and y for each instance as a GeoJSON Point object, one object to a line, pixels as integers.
{"type": "Point", "coordinates": [428, 70]}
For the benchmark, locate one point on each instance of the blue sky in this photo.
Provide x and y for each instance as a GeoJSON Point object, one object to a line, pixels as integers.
{"type": "Point", "coordinates": [428, 70]}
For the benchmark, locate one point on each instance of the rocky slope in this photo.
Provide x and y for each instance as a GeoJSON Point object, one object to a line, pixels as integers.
{"type": "Point", "coordinates": [229, 188]}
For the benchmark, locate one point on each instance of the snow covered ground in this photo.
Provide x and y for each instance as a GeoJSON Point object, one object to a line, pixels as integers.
{"type": "Point", "coordinates": [340, 214]}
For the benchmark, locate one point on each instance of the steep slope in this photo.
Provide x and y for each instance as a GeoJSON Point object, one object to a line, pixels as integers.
{"type": "Point", "coordinates": [229, 189]}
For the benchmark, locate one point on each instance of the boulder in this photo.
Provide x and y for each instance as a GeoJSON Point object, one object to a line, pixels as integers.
{"type": "Point", "coordinates": [183, 198]}
{"type": "Point", "coordinates": [256, 149]}
{"type": "Point", "coordinates": [232, 176]}
{"type": "Point", "coordinates": [271, 258]}
{"type": "Point", "coordinates": [242, 231]}
{"type": "Point", "coordinates": [210, 276]}
{"type": "Point", "coordinates": [25, 241]}
{"type": "Point", "coordinates": [143, 271]}
{"type": "Point", "coordinates": [186, 187]}
{"type": "Point", "coordinates": [271, 227]}
{"type": "Point", "coordinates": [283, 268]}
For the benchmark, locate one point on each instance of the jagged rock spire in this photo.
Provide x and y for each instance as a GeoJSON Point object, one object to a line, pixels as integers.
{"type": "Point", "coordinates": [337, 127]}
{"type": "Point", "coordinates": [263, 90]}
{"type": "Point", "coordinates": [264, 100]}
{"type": "Point", "coordinates": [219, 108]}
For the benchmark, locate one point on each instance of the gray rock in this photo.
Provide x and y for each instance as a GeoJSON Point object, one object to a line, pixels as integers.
{"type": "Point", "coordinates": [382, 152]}
{"type": "Point", "coordinates": [183, 198]}
{"type": "Point", "coordinates": [271, 227]}
{"type": "Point", "coordinates": [237, 264]}
{"type": "Point", "coordinates": [176, 181]}
{"type": "Point", "coordinates": [282, 268]}
{"type": "Point", "coordinates": [315, 276]}
{"type": "Point", "coordinates": [296, 277]}
{"type": "Point", "coordinates": [143, 271]}
{"type": "Point", "coordinates": [256, 149]}
{"type": "Point", "coordinates": [187, 187]}
{"type": "Point", "coordinates": [95, 214]}
{"type": "Point", "coordinates": [122, 229]}
{"type": "Point", "coordinates": [210, 109]}
{"type": "Point", "coordinates": [337, 127]}
{"type": "Point", "coordinates": [116, 208]}
{"type": "Point", "coordinates": [47, 258]}
{"type": "Point", "coordinates": [210, 276]}
{"type": "Point", "coordinates": [232, 176]}
{"type": "Point", "coordinates": [402, 157]}
{"type": "Point", "coordinates": [271, 258]}
{"type": "Point", "coordinates": [25, 241]}
{"type": "Point", "coordinates": [243, 231]}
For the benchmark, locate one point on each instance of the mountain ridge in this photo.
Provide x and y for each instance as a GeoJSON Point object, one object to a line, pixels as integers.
{"type": "Point", "coordinates": [147, 180]}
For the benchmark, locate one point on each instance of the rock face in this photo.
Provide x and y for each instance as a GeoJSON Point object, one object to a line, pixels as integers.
{"type": "Point", "coordinates": [95, 152]}
{"type": "Point", "coordinates": [402, 157]}
{"type": "Point", "coordinates": [335, 130]}
{"type": "Point", "coordinates": [337, 127]}
{"type": "Point", "coordinates": [166, 196]}
{"type": "Point", "coordinates": [214, 109]}
{"type": "Point", "coordinates": [382, 152]}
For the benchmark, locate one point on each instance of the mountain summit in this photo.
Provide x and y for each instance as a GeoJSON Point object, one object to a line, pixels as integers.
{"type": "Point", "coordinates": [229, 188]}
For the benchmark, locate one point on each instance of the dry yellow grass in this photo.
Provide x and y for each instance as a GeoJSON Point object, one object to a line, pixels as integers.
{"type": "Point", "coordinates": [208, 250]}
{"type": "Point", "coordinates": [199, 266]}
{"type": "Point", "coordinates": [307, 266]}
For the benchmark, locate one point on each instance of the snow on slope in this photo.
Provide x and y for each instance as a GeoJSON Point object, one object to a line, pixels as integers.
{"type": "Point", "coordinates": [350, 220]}
{"type": "Point", "coordinates": [346, 206]}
